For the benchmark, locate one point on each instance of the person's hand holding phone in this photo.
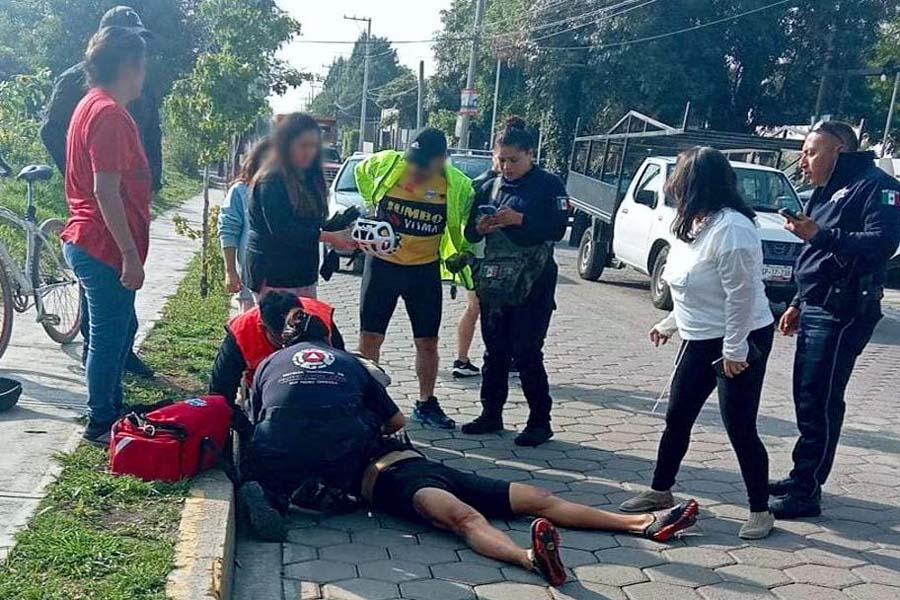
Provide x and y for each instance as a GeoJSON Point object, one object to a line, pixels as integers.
{"type": "Point", "coordinates": [508, 217]}
{"type": "Point", "coordinates": [487, 219]}
{"type": "Point", "coordinates": [798, 224]}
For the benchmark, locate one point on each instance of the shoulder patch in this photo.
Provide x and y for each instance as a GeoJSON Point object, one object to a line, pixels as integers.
{"type": "Point", "coordinates": [890, 197]}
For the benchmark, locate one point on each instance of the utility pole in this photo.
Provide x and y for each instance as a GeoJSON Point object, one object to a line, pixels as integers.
{"type": "Point", "coordinates": [890, 115]}
{"type": "Point", "coordinates": [496, 100]}
{"type": "Point", "coordinates": [462, 122]}
{"type": "Point", "coordinates": [365, 90]}
{"type": "Point", "coordinates": [826, 68]}
{"type": "Point", "coordinates": [420, 109]}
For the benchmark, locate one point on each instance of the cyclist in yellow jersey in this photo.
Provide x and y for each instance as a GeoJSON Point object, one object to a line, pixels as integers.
{"type": "Point", "coordinates": [427, 202]}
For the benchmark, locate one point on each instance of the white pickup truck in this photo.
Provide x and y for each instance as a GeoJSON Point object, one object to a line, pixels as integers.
{"type": "Point", "coordinates": [637, 231]}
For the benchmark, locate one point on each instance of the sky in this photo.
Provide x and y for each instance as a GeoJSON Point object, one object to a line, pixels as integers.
{"type": "Point", "coordinates": [324, 20]}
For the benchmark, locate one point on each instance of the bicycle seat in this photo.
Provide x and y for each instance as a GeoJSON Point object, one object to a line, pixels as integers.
{"type": "Point", "coordinates": [36, 173]}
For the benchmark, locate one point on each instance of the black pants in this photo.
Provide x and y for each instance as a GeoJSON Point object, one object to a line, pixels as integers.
{"type": "Point", "coordinates": [695, 379]}
{"type": "Point", "coordinates": [518, 332]}
{"type": "Point", "coordinates": [827, 349]}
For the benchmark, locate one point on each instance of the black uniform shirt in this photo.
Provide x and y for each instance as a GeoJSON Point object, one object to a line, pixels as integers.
{"type": "Point", "coordinates": [858, 214]}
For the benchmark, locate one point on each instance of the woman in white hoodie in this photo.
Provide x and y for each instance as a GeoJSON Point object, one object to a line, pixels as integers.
{"type": "Point", "coordinates": [723, 317]}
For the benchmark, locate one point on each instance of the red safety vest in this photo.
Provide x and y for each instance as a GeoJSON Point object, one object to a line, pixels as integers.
{"type": "Point", "coordinates": [250, 333]}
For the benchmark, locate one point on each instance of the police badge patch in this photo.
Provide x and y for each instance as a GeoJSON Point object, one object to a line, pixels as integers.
{"type": "Point", "coordinates": [890, 197]}
{"type": "Point", "coordinates": [562, 203]}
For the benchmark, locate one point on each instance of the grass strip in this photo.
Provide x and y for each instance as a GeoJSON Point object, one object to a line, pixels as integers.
{"type": "Point", "coordinates": [113, 538]}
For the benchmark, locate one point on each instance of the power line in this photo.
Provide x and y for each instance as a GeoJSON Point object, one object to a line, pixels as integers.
{"type": "Point", "coordinates": [429, 41]}
{"type": "Point", "coordinates": [583, 15]}
{"type": "Point", "coordinates": [668, 33]}
{"type": "Point", "coordinates": [593, 22]}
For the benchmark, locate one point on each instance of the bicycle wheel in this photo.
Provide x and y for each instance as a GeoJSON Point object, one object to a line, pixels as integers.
{"type": "Point", "coordinates": [6, 310]}
{"type": "Point", "coordinates": [57, 286]}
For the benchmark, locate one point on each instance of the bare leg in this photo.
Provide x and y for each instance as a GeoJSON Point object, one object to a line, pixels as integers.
{"type": "Point", "coordinates": [370, 345]}
{"type": "Point", "coordinates": [446, 511]}
{"type": "Point", "coordinates": [529, 500]}
{"type": "Point", "coordinates": [466, 328]}
{"type": "Point", "coordinates": [426, 366]}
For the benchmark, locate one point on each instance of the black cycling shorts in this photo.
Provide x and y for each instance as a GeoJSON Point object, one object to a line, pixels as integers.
{"type": "Point", "coordinates": [396, 486]}
{"type": "Point", "coordinates": [383, 283]}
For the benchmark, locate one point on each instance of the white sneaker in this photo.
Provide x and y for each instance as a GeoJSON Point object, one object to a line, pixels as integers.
{"type": "Point", "coordinates": [648, 501]}
{"type": "Point", "coordinates": [758, 526]}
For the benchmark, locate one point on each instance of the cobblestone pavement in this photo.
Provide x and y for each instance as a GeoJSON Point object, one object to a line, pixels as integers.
{"type": "Point", "coordinates": [605, 381]}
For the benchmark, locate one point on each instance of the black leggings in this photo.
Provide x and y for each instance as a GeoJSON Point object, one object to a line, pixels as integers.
{"type": "Point", "coordinates": [695, 379]}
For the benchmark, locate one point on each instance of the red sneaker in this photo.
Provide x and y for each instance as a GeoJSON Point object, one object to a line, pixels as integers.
{"type": "Point", "coordinates": [545, 547]}
{"type": "Point", "coordinates": [670, 522]}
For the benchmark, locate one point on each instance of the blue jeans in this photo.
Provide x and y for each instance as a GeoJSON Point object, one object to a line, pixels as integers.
{"type": "Point", "coordinates": [113, 324]}
{"type": "Point", "coordinates": [827, 349]}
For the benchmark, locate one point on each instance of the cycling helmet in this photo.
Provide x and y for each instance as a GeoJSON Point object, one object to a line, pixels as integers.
{"type": "Point", "coordinates": [376, 238]}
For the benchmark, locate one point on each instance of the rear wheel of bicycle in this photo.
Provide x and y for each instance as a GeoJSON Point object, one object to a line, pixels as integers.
{"type": "Point", "coordinates": [57, 285]}
{"type": "Point", "coordinates": [6, 310]}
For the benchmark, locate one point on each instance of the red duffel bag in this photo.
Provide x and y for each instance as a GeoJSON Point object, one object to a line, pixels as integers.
{"type": "Point", "coordinates": [171, 443]}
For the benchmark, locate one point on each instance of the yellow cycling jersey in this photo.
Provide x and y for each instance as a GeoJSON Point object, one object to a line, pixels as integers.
{"type": "Point", "coordinates": [418, 212]}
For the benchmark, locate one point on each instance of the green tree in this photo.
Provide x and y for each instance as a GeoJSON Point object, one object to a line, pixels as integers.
{"type": "Point", "coordinates": [341, 94]}
{"type": "Point", "coordinates": [53, 34]}
{"type": "Point", "coordinates": [226, 92]}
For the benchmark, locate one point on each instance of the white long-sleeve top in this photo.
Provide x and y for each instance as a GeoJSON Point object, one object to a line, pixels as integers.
{"type": "Point", "coordinates": [717, 285]}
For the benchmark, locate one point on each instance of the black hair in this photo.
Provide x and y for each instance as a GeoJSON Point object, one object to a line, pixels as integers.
{"type": "Point", "coordinates": [300, 326]}
{"type": "Point", "coordinates": [274, 307]}
{"type": "Point", "coordinates": [704, 183]}
{"type": "Point", "coordinates": [840, 131]}
{"type": "Point", "coordinates": [109, 50]}
{"type": "Point", "coordinates": [515, 133]}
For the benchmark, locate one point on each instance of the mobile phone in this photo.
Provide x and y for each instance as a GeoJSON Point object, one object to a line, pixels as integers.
{"type": "Point", "coordinates": [786, 212]}
{"type": "Point", "coordinates": [753, 355]}
{"type": "Point", "coordinates": [487, 210]}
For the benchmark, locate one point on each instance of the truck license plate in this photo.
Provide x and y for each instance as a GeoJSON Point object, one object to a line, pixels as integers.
{"type": "Point", "coordinates": [777, 272]}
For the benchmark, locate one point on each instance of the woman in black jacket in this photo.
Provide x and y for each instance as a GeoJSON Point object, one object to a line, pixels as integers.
{"type": "Point", "coordinates": [288, 206]}
{"type": "Point", "coordinates": [522, 211]}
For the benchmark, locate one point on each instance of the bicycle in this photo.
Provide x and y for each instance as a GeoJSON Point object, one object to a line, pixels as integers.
{"type": "Point", "coordinates": [45, 280]}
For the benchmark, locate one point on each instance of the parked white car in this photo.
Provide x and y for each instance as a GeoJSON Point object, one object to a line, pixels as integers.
{"type": "Point", "coordinates": [343, 193]}
{"type": "Point", "coordinates": [642, 227]}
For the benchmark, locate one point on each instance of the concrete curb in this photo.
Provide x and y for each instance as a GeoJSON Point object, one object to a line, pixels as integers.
{"type": "Point", "coordinates": [204, 554]}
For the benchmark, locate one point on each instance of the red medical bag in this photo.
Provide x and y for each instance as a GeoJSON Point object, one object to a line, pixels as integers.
{"type": "Point", "coordinates": [171, 443]}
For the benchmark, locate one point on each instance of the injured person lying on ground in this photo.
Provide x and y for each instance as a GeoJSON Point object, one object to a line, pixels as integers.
{"type": "Point", "coordinates": [327, 437]}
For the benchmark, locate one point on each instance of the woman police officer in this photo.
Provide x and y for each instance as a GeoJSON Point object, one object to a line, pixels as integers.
{"type": "Point", "coordinates": [520, 213]}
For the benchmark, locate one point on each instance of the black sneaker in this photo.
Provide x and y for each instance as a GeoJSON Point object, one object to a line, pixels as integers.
{"type": "Point", "coordinates": [668, 523]}
{"type": "Point", "coordinates": [430, 413]}
{"type": "Point", "coordinates": [97, 434]}
{"type": "Point", "coordinates": [266, 521]}
{"type": "Point", "coordinates": [464, 368]}
{"type": "Point", "coordinates": [781, 487]}
{"type": "Point", "coordinates": [137, 367]}
{"type": "Point", "coordinates": [545, 546]}
{"type": "Point", "coordinates": [794, 506]}
{"type": "Point", "coordinates": [534, 435]}
{"type": "Point", "coordinates": [483, 424]}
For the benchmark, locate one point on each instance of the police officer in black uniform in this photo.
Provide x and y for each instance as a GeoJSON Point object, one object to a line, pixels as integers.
{"type": "Point", "coordinates": [852, 228]}
{"type": "Point", "coordinates": [525, 206]}
{"type": "Point", "coordinates": [69, 89]}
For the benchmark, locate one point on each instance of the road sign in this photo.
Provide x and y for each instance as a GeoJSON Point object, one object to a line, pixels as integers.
{"type": "Point", "coordinates": [468, 103]}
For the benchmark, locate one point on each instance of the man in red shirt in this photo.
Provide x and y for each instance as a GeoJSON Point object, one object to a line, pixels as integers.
{"type": "Point", "coordinates": [108, 189]}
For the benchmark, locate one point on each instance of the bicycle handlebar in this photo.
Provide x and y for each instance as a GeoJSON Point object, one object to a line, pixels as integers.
{"type": "Point", "coordinates": [5, 169]}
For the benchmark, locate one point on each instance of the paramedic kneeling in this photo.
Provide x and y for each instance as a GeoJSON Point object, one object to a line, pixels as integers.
{"type": "Point", "coordinates": [254, 335]}
{"type": "Point", "coordinates": [317, 412]}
